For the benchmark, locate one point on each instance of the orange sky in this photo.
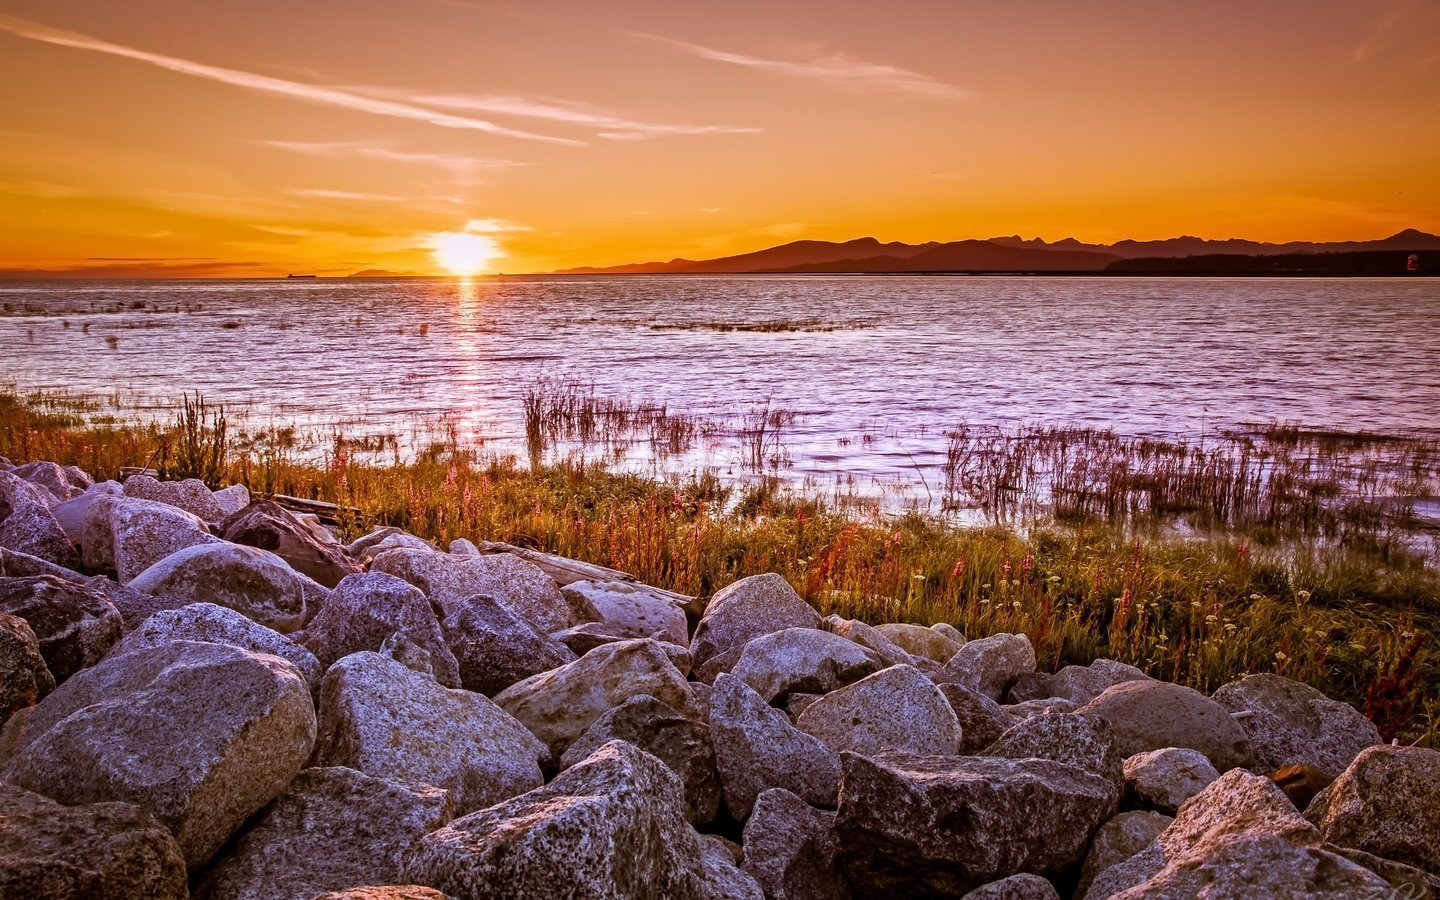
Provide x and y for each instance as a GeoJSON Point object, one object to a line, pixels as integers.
{"type": "Point", "coordinates": [331, 136]}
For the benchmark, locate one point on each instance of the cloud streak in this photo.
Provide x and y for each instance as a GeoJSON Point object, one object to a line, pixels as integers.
{"type": "Point", "coordinates": [836, 69]}
{"type": "Point", "coordinates": [455, 162]}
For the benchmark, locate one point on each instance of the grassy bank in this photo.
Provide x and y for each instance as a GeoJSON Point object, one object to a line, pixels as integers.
{"type": "Point", "coordinates": [1355, 618]}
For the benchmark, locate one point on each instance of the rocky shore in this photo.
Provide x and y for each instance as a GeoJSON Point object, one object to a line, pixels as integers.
{"type": "Point", "coordinates": [212, 696]}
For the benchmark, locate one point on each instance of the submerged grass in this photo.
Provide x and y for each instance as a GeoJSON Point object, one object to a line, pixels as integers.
{"type": "Point", "coordinates": [1357, 624]}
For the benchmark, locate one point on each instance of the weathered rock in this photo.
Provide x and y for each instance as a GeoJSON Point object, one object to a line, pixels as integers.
{"type": "Point", "coordinates": [796, 704]}
{"type": "Point", "coordinates": [408, 654]}
{"type": "Point", "coordinates": [676, 740]}
{"type": "Point", "coordinates": [448, 580]}
{"type": "Point", "coordinates": [1290, 723]}
{"type": "Point", "coordinates": [1016, 887]}
{"type": "Point", "coordinates": [391, 539]}
{"type": "Point", "coordinates": [981, 719]}
{"type": "Point", "coordinates": [894, 709]}
{"type": "Point", "coordinates": [61, 482]}
{"type": "Point", "coordinates": [1078, 684]}
{"type": "Point", "coordinates": [333, 828]}
{"type": "Point", "coordinates": [1153, 715]}
{"type": "Point", "coordinates": [1117, 840]}
{"type": "Point", "coordinates": [1260, 865]}
{"type": "Point", "coordinates": [114, 851]}
{"type": "Point", "coordinates": [70, 515]}
{"type": "Point", "coordinates": [74, 623]}
{"type": "Point", "coordinates": [142, 532]}
{"type": "Point", "coordinates": [1410, 881]}
{"type": "Point", "coordinates": [612, 826]}
{"type": "Point", "coordinates": [232, 499]}
{"type": "Point", "coordinates": [804, 660]}
{"type": "Point", "coordinates": [385, 892]}
{"type": "Point", "coordinates": [220, 625]}
{"type": "Point", "coordinates": [1044, 707]}
{"type": "Point", "coordinates": [557, 706]}
{"type": "Point", "coordinates": [942, 825]}
{"type": "Point", "coordinates": [869, 637]}
{"type": "Point", "coordinates": [381, 718]}
{"type": "Point", "coordinates": [720, 875]}
{"type": "Point", "coordinates": [358, 547]}
{"type": "Point", "coordinates": [311, 524]}
{"type": "Point", "coordinates": [464, 547]}
{"type": "Point", "coordinates": [495, 648]}
{"type": "Point", "coordinates": [190, 495]}
{"type": "Point", "coordinates": [253, 582]}
{"type": "Point", "coordinates": [756, 748]}
{"type": "Point", "coordinates": [24, 677]}
{"type": "Point", "coordinates": [627, 610]}
{"type": "Point", "coordinates": [134, 606]}
{"type": "Point", "coordinates": [1086, 742]}
{"type": "Point", "coordinates": [27, 525]}
{"type": "Point", "coordinates": [364, 610]}
{"type": "Point", "coordinates": [750, 608]}
{"type": "Point", "coordinates": [585, 637]}
{"type": "Point", "coordinates": [1386, 803]}
{"type": "Point", "coordinates": [990, 665]}
{"type": "Point", "coordinates": [266, 525]}
{"type": "Point", "coordinates": [1164, 779]}
{"type": "Point", "coordinates": [917, 640]}
{"type": "Point", "coordinates": [200, 735]}
{"type": "Point", "coordinates": [719, 664]}
{"type": "Point", "coordinates": [790, 849]}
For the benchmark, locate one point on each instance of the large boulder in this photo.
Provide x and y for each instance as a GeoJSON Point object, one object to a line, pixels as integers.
{"type": "Point", "coordinates": [1078, 684]}
{"type": "Point", "coordinates": [557, 706]}
{"type": "Point", "coordinates": [383, 719]}
{"type": "Point", "coordinates": [1085, 742]}
{"type": "Point", "coordinates": [611, 826]}
{"type": "Point", "coordinates": [134, 606]}
{"type": "Point", "coordinates": [200, 735]}
{"type": "Point", "coordinates": [990, 665]}
{"type": "Point", "coordinates": [27, 525]}
{"type": "Point", "coordinates": [790, 849]}
{"type": "Point", "coordinates": [981, 719]}
{"type": "Point", "coordinates": [114, 851]}
{"type": "Point", "coordinates": [448, 580]}
{"type": "Point", "coordinates": [1290, 723]}
{"type": "Point", "coordinates": [894, 709]}
{"type": "Point", "coordinates": [917, 640]}
{"type": "Point", "coordinates": [24, 677]}
{"type": "Point", "coordinates": [72, 514]}
{"type": "Point", "coordinates": [74, 623]}
{"type": "Point", "coordinates": [1386, 803]}
{"type": "Point", "coordinates": [628, 610]}
{"type": "Point", "coordinates": [332, 829]}
{"type": "Point", "coordinates": [364, 610]}
{"type": "Point", "coordinates": [255, 583]}
{"type": "Point", "coordinates": [189, 494]}
{"type": "Point", "coordinates": [802, 660]}
{"type": "Point", "coordinates": [1260, 865]}
{"type": "Point", "coordinates": [268, 526]}
{"type": "Point", "coordinates": [1164, 779]}
{"type": "Point", "coordinates": [60, 482]}
{"type": "Point", "coordinates": [756, 748]}
{"type": "Point", "coordinates": [747, 609]}
{"type": "Point", "coordinates": [140, 533]}
{"type": "Point", "coordinates": [494, 647]}
{"type": "Point", "coordinates": [942, 825]}
{"type": "Point", "coordinates": [1119, 839]}
{"type": "Point", "coordinates": [220, 625]}
{"type": "Point", "coordinates": [1153, 715]}
{"type": "Point", "coordinates": [677, 740]}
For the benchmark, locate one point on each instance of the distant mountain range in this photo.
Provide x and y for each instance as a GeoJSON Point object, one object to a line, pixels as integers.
{"type": "Point", "coordinates": [1014, 254]}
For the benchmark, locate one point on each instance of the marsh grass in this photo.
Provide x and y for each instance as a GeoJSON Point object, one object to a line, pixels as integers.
{"type": "Point", "coordinates": [1199, 609]}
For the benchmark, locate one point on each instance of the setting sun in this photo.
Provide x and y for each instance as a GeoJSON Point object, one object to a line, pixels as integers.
{"type": "Point", "coordinates": [463, 254]}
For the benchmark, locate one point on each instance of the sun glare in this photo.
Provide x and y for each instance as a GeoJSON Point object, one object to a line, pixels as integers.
{"type": "Point", "coordinates": [463, 254]}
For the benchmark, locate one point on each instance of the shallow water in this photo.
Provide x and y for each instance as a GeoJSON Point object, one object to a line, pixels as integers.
{"type": "Point", "coordinates": [878, 369]}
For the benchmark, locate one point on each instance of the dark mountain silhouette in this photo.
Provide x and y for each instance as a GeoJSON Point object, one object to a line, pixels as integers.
{"type": "Point", "coordinates": [971, 256]}
{"type": "Point", "coordinates": [1366, 262]}
{"type": "Point", "coordinates": [795, 253]}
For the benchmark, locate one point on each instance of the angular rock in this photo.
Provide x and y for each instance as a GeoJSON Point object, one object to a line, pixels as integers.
{"type": "Point", "coordinates": [942, 825]}
{"type": "Point", "coordinates": [380, 718]}
{"type": "Point", "coordinates": [990, 665]}
{"type": "Point", "coordinates": [70, 515]}
{"type": "Point", "coordinates": [332, 829]}
{"type": "Point", "coordinates": [464, 547]}
{"type": "Point", "coordinates": [134, 606]}
{"type": "Point", "coordinates": [627, 610]}
{"type": "Point", "coordinates": [200, 735]}
{"type": "Point", "coordinates": [190, 495]}
{"type": "Point", "coordinates": [61, 482]}
{"type": "Point", "coordinates": [27, 525]}
{"type": "Point", "coordinates": [220, 625]}
{"type": "Point", "coordinates": [266, 525]}
{"type": "Point", "coordinates": [803, 660]}
{"type": "Point", "coordinates": [232, 499]}
{"type": "Point", "coordinates": [557, 706]}
{"type": "Point", "coordinates": [720, 875]}
{"type": "Point", "coordinates": [790, 849]}
{"type": "Point", "coordinates": [877, 643]}
{"type": "Point", "coordinates": [1085, 742]}
{"type": "Point", "coordinates": [1260, 865]}
{"type": "Point", "coordinates": [74, 623]}
{"type": "Point", "coordinates": [917, 640]}
{"type": "Point", "coordinates": [1164, 779]}
{"type": "Point", "coordinates": [1039, 707]}
{"type": "Point", "coordinates": [255, 583]}
{"type": "Point", "coordinates": [756, 748]}
{"type": "Point", "coordinates": [115, 851]}
{"type": "Point", "coordinates": [1117, 840]}
{"type": "Point", "coordinates": [1386, 803]}
{"type": "Point", "coordinates": [749, 608]}
{"type": "Point", "coordinates": [981, 719]}
{"type": "Point", "coordinates": [364, 610]}
{"type": "Point", "coordinates": [1016, 887]}
{"type": "Point", "coordinates": [448, 580]}
{"type": "Point", "coordinates": [895, 709]}
{"type": "Point", "coordinates": [719, 664]}
{"type": "Point", "coordinates": [1153, 715]}
{"type": "Point", "coordinates": [676, 740]}
{"type": "Point", "coordinates": [142, 532]}
{"type": "Point", "coordinates": [586, 637]}
{"type": "Point", "coordinates": [1290, 723]}
{"type": "Point", "coordinates": [495, 648]}
{"type": "Point", "coordinates": [1078, 684]}
{"type": "Point", "coordinates": [24, 677]}
{"type": "Point", "coordinates": [611, 826]}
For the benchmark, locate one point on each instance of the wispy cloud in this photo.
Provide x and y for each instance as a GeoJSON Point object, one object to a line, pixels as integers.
{"type": "Point", "coordinates": [1387, 31]}
{"type": "Point", "coordinates": [833, 68]}
{"type": "Point", "coordinates": [328, 96]}
{"type": "Point", "coordinates": [323, 194]}
{"type": "Point", "coordinates": [495, 226]}
{"type": "Point", "coordinates": [455, 162]}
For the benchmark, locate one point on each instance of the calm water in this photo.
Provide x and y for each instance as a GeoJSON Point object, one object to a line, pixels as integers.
{"type": "Point", "coordinates": [907, 357]}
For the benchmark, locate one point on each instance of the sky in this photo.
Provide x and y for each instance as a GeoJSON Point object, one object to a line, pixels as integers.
{"type": "Point", "coordinates": [182, 138]}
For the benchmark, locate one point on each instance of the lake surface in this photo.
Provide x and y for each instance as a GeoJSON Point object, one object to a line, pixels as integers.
{"type": "Point", "coordinates": [877, 369]}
